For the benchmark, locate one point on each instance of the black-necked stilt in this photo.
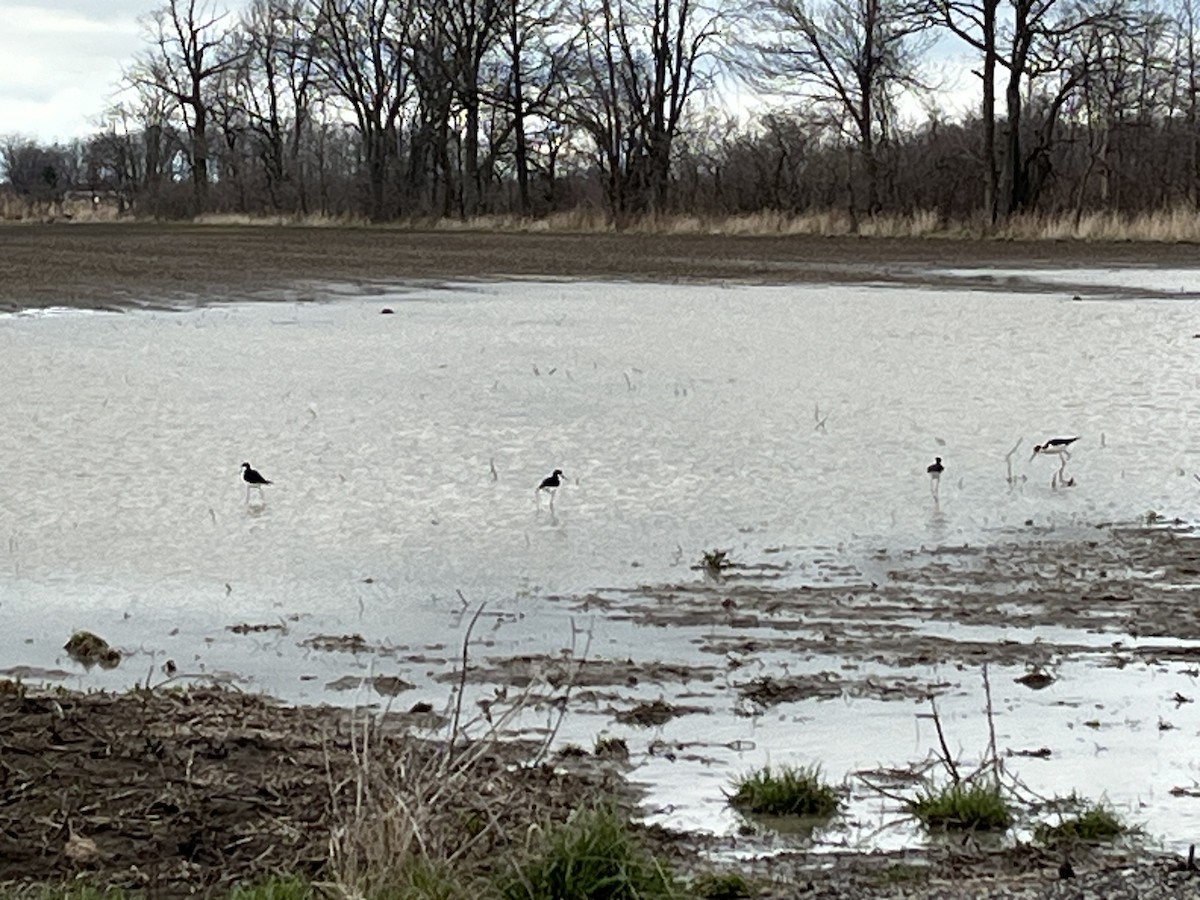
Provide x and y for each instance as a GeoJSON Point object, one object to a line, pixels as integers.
{"type": "Point", "coordinates": [253, 478]}
{"type": "Point", "coordinates": [1055, 447]}
{"type": "Point", "coordinates": [935, 470]}
{"type": "Point", "coordinates": [549, 484]}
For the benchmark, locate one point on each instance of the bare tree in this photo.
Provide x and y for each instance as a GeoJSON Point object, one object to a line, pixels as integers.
{"type": "Point", "coordinates": [190, 49]}
{"type": "Point", "coordinates": [849, 58]}
{"type": "Point", "coordinates": [470, 31]}
{"type": "Point", "coordinates": [529, 77]}
{"type": "Point", "coordinates": [273, 89]}
{"type": "Point", "coordinates": [364, 50]}
{"type": "Point", "coordinates": [639, 64]}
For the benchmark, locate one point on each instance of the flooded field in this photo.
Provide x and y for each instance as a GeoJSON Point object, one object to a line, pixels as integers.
{"type": "Point", "coordinates": [788, 426]}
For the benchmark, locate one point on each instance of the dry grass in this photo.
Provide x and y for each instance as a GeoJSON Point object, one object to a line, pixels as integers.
{"type": "Point", "coordinates": [1166, 226]}
{"type": "Point", "coordinates": [1163, 226]}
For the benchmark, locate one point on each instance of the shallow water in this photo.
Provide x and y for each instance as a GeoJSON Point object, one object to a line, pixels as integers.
{"type": "Point", "coordinates": [405, 449]}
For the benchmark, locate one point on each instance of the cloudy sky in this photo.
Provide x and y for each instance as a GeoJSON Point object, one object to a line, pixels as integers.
{"type": "Point", "coordinates": [60, 61]}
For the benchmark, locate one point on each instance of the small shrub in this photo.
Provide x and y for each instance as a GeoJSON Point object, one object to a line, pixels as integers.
{"type": "Point", "coordinates": [792, 791]}
{"type": "Point", "coordinates": [962, 807]}
{"type": "Point", "coordinates": [714, 562]}
{"type": "Point", "coordinates": [722, 886]}
{"type": "Point", "coordinates": [592, 856]}
{"type": "Point", "coordinates": [904, 873]}
{"type": "Point", "coordinates": [611, 747]}
{"type": "Point", "coordinates": [1087, 822]}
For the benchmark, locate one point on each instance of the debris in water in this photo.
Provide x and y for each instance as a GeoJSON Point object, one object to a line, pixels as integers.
{"type": "Point", "coordinates": [91, 650]}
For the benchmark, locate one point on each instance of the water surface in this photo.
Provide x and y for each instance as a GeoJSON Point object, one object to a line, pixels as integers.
{"type": "Point", "coordinates": [790, 425]}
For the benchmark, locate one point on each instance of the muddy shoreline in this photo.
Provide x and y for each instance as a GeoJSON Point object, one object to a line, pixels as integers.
{"type": "Point", "coordinates": [190, 792]}
{"type": "Point", "coordinates": [178, 785]}
{"type": "Point", "coordinates": [136, 265]}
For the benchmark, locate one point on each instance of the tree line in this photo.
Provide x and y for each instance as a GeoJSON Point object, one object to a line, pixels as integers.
{"type": "Point", "coordinates": [391, 109]}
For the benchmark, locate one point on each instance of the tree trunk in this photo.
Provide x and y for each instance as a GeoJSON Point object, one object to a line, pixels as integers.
{"type": "Point", "coordinates": [200, 159]}
{"type": "Point", "coordinates": [991, 187]}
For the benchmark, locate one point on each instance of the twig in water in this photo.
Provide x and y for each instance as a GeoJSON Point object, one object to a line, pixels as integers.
{"type": "Point", "coordinates": [1010, 479]}
{"type": "Point", "coordinates": [947, 759]}
{"type": "Point", "coordinates": [820, 426]}
{"type": "Point", "coordinates": [562, 709]}
{"type": "Point", "coordinates": [991, 720]}
{"type": "Point", "coordinates": [462, 682]}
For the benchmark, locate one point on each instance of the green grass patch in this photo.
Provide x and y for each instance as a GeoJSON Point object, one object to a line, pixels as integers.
{"type": "Point", "coordinates": [290, 888]}
{"type": "Point", "coordinates": [904, 874]}
{"type": "Point", "coordinates": [962, 807]}
{"type": "Point", "coordinates": [790, 791]}
{"type": "Point", "coordinates": [592, 856]}
{"type": "Point", "coordinates": [1086, 822]}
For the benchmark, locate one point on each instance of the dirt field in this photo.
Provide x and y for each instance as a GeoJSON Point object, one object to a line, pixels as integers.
{"type": "Point", "coordinates": [105, 265]}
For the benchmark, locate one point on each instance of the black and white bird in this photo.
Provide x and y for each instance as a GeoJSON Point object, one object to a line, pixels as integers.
{"type": "Point", "coordinates": [1055, 447]}
{"type": "Point", "coordinates": [935, 470]}
{"type": "Point", "coordinates": [549, 484]}
{"type": "Point", "coordinates": [253, 478]}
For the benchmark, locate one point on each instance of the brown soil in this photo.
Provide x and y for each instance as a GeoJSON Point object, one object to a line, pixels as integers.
{"type": "Point", "coordinates": [181, 792]}
{"type": "Point", "coordinates": [186, 793]}
{"type": "Point", "coordinates": [123, 265]}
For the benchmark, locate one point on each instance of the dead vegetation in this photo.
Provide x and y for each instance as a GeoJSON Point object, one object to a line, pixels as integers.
{"type": "Point", "coordinates": [171, 792]}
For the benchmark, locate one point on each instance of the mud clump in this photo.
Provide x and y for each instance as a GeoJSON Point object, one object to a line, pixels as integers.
{"type": "Point", "coordinates": [654, 712]}
{"type": "Point", "coordinates": [386, 685]}
{"type": "Point", "coordinates": [89, 650]}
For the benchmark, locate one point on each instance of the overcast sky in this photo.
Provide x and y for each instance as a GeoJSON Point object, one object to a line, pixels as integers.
{"type": "Point", "coordinates": [60, 61]}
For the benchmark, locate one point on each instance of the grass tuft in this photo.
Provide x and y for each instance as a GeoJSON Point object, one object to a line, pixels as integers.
{"type": "Point", "coordinates": [792, 791]}
{"type": "Point", "coordinates": [722, 886]}
{"type": "Point", "coordinates": [1086, 822]}
{"type": "Point", "coordinates": [962, 807]}
{"type": "Point", "coordinates": [714, 562]}
{"type": "Point", "coordinates": [592, 856]}
{"type": "Point", "coordinates": [290, 888]}
{"type": "Point", "coordinates": [71, 891]}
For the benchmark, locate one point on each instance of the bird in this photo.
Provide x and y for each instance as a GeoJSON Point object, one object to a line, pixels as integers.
{"type": "Point", "coordinates": [549, 484]}
{"type": "Point", "coordinates": [1055, 447]}
{"type": "Point", "coordinates": [935, 470]}
{"type": "Point", "coordinates": [253, 478]}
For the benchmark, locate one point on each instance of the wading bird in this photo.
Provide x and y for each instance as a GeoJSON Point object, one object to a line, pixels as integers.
{"type": "Point", "coordinates": [549, 484]}
{"type": "Point", "coordinates": [253, 479]}
{"type": "Point", "coordinates": [935, 470]}
{"type": "Point", "coordinates": [1057, 447]}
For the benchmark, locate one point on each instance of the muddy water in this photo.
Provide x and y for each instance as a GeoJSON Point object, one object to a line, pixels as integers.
{"type": "Point", "coordinates": [790, 426]}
